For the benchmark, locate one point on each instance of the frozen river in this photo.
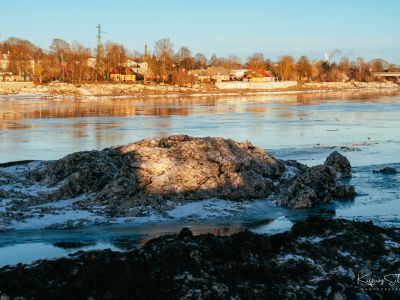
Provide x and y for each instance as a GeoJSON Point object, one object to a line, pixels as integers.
{"type": "Point", "coordinates": [364, 126]}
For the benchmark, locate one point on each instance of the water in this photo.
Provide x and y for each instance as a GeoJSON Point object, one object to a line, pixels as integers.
{"type": "Point", "coordinates": [51, 129]}
{"type": "Point", "coordinates": [307, 126]}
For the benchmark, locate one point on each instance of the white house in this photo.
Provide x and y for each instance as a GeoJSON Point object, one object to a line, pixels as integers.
{"type": "Point", "coordinates": [4, 61]}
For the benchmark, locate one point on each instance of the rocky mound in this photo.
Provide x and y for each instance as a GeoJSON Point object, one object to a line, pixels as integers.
{"type": "Point", "coordinates": [153, 175]}
{"type": "Point", "coordinates": [317, 259]}
{"type": "Point", "coordinates": [318, 184]}
{"type": "Point", "coordinates": [339, 163]}
{"type": "Point", "coordinates": [151, 171]}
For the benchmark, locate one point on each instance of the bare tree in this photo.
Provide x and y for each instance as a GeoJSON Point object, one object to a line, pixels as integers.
{"type": "Point", "coordinates": [21, 56]}
{"type": "Point", "coordinates": [233, 62]}
{"type": "Point", "coordinates": [286, 68]}
{"type": "Point", "coordinates": [182, 54]}
{"type": "Point", "coordinates": [256, 61]}
{"type": "Point", "coordinates": [77, 67]}
{"type": "Point", "coordinates": [115, 56]}
{"type": "Point", "coordinates": [60, 48]}
{"type": "Point", "coordinates": [201, 61]}
{"type": "Point", "coordinates": [303, 68]}
{"type": "Point", "coordinates": [214, 61]}
{"type": "Point", "coordinates": [184, 58]}
{"type": "Point", "coordinates": [163, 50]}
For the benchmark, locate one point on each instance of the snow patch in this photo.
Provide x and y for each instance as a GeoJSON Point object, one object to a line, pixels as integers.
{"type": "Point", "coordinates": [289, 257]}
{"type": "Point", "coordinates": [18, 169]}
{"type": "Point", "coordinates": [392, 244]}
{"type": "Point", "coordinates": [60, 218]}
{"type": "Point", "coordinates": [316, 239]}
{"type": "Point", "coordinates": [62, 203]}
{"type": "Point", "coordinates": [205, 209]}
{"type": "Point", "coordinates": [280, 224]}
{"type": "Point", "coordinates": [33, 190]}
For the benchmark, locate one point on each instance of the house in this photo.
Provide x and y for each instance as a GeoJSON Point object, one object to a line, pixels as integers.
{"type": "Point", "coordinates": [10, 77]}
{"type": "Point", "coordinates": [211, 74]}
{"type": "Point", "coordinates": [27, 69]}
{"type": "Point", "coordinates": [238, 74]}
{"type": "Point", "coordinates": [91, 62]}
{"type": "Point", "coordinates": [259, 76]}
{"type": "Point", "coordinates": [138, 68]}
{"type": "Point", "coordinates": [201, 75]}
{"type": "Point", "coordinates": [123, 74]}
{"type": "Point", "coordinates": [4, 61]}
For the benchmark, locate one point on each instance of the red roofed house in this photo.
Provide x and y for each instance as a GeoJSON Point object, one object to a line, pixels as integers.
{"type": "Point", "coordinates": [259, 76]}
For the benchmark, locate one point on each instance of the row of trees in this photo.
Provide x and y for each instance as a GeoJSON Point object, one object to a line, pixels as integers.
{"type": "Point", "coordinates": [75, 63]}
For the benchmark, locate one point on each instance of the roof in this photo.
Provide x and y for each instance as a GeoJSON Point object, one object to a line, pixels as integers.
{"type": "Point", "coordinates": [258, 73]}
{"type": "Point", "coordinates": [123, 71]}
{"type": "Point", "coordinates": [210, 71]}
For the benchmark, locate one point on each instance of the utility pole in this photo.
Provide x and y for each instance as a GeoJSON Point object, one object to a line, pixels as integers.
{"type": "Point", "coordinates": [99, 51]}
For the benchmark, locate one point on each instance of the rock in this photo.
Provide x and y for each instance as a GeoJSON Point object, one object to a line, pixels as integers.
{"type": "Point", "coordinates": [386, 170]}
{"type": "Point", "coordinates": [318, 184]}
{"type": "Point", "coordinates": [125, 243]}
{"type": "Point", "coordinates": [327, 212]}
{"type": "Point", "coordinates": [339, 163]}
{"type": "Point", "coordinates": [177, 168]}
{"type": "Point", "coordinates": [244, 265]}
{"type": "Point", "coordinates": [312, 187]}
{"type": "Point", "coordinates": [342, 191]}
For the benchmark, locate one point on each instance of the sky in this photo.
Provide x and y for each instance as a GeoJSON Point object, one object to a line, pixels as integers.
{"type": "Point", "coordinates": [366, 28]}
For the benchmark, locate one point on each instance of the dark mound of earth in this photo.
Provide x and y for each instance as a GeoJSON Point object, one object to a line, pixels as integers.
{"type": "Point", "coordinates": [182, 168]}
{"type": "Point", "coordinates": [318, 259]}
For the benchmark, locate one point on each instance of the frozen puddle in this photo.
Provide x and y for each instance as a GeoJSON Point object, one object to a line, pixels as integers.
{"type": "Point", "coordinates": [62, 215]}
{"type": "Point", "coordinates": [212, 208]}
{"type": "Point", "coordinates": [30, 252]}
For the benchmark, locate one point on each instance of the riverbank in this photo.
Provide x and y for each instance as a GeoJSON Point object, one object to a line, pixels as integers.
{"type": "Point", "coordinates": [319, 258]}
{"type": "Point", "coordinates": [138, 89]}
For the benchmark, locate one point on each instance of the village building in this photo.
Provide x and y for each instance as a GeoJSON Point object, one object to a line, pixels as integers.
{"type": "Point", "coordinates": [91, 62]}
{"type": "Point", "coordinates": [4, 61]}
{"type": "Point", "coordinates": [238, 74]}
{"type": "Point", "coordinates": [124, 74]}
{"type": "Point", "coordinates": [10, 77]}
{"type": "Point", "coordinates": [211, 74]}
{"type": "Point", "coordinates": [259, 76]}
{"type": "Point", "coordinates": [138, 68]}
{"type": "Point", "coordinates": [6, 75]}
{"type": "Point", "coordinates": [130, 71]}
{"type": "Point", "coordinates": [201, 75]}
{"type": "Point", "coordinates": [219, 74]}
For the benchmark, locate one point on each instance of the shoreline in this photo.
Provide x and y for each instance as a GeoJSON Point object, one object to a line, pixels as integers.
{"type": "Point", "coordinates": [64, 90]}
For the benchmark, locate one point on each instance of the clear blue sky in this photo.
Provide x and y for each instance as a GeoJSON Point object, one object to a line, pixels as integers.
{"type": "Point", "coordinates": [368, 28]}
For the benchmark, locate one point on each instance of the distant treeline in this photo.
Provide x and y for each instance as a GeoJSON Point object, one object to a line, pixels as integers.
{"type": "Point", "coordinates": [75, 63]}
